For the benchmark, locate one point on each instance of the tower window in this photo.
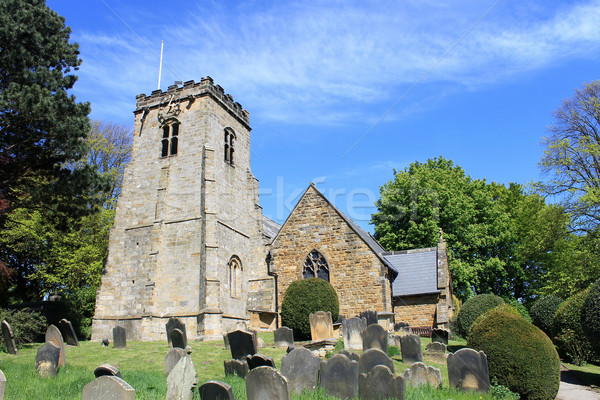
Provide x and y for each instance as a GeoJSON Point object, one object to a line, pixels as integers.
{"type": "Point", "coordinates": [229, 138]}
{"type": "Point", "coordinates": [169, 139]}
{"type": "Point", "coordinates": [315, 266]}
{"type": "Point", "coordinates": [235, 277]}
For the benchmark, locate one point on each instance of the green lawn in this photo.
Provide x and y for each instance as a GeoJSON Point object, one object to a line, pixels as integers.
{"type": "Point", "coordinates": [141, 365]}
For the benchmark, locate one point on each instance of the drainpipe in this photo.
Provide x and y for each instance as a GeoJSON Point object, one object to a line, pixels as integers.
{"type": "Point", "coordinates": [274, 275]}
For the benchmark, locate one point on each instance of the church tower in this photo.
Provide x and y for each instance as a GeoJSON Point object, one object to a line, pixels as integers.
{"type": "Point", "coordinates": [188, 236]}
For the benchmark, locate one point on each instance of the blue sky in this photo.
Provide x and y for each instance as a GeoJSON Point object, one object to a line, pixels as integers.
{"type": "Point", "coordinates": [342, 92]}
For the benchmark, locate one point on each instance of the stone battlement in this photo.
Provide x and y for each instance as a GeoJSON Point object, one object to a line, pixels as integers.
{"type": "Point", "coordinates": [191, 90]}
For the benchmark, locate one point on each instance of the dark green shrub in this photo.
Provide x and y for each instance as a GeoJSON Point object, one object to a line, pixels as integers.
{"type": "Point", "coordinates": [27, 326]}
{"type": "Point", "coordinates": [473, 308]}
{"type": "Point", "coordinates": [520, 356]}
{"type": "Point", "coordinates": [543, 310]}
{"type": "Point", "coordinates": [590, 316]}
{"type": "Point", "coordinates": [502, 307]}
{"type": "Point", "coordinates": [305, 297]}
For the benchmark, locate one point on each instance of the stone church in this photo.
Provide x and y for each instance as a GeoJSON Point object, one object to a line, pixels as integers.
{"type": "Point", "coordinates": [190, 240]}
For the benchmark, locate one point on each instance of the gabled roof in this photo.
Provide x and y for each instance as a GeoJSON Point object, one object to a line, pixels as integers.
{"type": "Point", "coordinates": [270, 227]}
{"type": "Point", "coordinates": [417, 272]}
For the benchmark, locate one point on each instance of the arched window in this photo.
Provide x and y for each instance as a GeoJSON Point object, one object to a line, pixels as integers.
{"type": "Point", "coordinates": [235, 277]}
{"type": "Point", "coordinates": [229, 138]}
{"type": "Point", "coordinates": [315, 265]}
{"type": "Point", "coordinates": [169, 139]}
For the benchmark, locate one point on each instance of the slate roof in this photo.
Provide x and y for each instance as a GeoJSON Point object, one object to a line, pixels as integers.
{"type": "Point", "coordinates": [417, 272]}
{"type": "Point", "coordinates": [270, 227]}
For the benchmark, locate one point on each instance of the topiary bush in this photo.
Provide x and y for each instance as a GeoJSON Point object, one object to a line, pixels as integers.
{"type": "Point", "coordinates": [473, 308]}
{"type": "Point", "coordinates": [305, 297]}
{"type": "Point", "coordinates": [520, 355]}
{"type": "Point", "coordinates": [502, 307]}
{"type": "Point", "coordinates": [590, 316]}
{"type": "Point", "coordinates": [543, 310]}
{"type": "Point", "coordinates": [27, 326]}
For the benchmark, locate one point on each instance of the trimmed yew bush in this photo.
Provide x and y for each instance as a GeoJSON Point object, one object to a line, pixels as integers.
{"type": "Point", "coordinates": [305, 297]}
{"type": "Point", "coordinates": [543, 310]}
{"type": "Point", "coordinates": [590, 316]}
{"type": "Point", "coordinates": [520, 355]}
{"type": "Point", "coordinates": [502, 307]}
{"type": "Point", "coordinates": [473, 308]}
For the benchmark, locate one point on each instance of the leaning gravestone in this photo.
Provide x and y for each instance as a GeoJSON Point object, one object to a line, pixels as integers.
{"type": "Point", "coordinates": [226, 341]}
{"type": "Point", "coordinates": [301, 369]}
{"type": "Point", "coordinates": [266, 383]}
{"type": "Point", "coordinates": [321, 326]}
{"type": "Point", "coordinates": [353, 329]}
{"type": "Point", "coordinates": [420, 374]}
{"type": "Point", "coordinates": [436, 347]}
{"type": "Point", "coordinates": [182, 380]}
{"type": "Point", "coordinates": [215, 390]}
{"type": "Point", "coordinates": [440, 335]}
{"type": "Point", "coordinates": [2, 385]}
{"type": "Point", "coordinates": [108, 387]}
{"type": "Point", "coordinates": [9, 339]}
{"type": "Point", "coordinates": [68, 333]}
{"type": "Point", "coordinates": [242, 344]}
{"type": "Point", "coordinates": [380, 383]}
{"type": "Point", "coordinates": [351, 356]}
{"type": "Point", "coordinates": [373, 357]}
{"type": "Point", "coordinates": [339, 377]}
{"type": "Point", "coordinates": [175, 323]}
{"type": "Point", "coordinates": [177, 338]}
{"type": "Point", "coordinates": [410, 346]}
{"type": "Point", "coordinates": [375, 337]}
{"type": "Point", "coordinates": [284, 337]}
{"type": "Point", "coordinates": [119, 337]}
{"type": "Point", "coordinates": [259, 360]}
{"type": "Point", "coordinates": [468, 370]}
{"type": "Point", "coordinates": [172, 358]}
{"type": "Point", "coordinates": [47, 359]}
{"type": "Point", "coordinates": [370, 316]}
{"type": "Point", "coordinates": [107, 369]}
{"type": "Point", "coordinates": [54, 336]}
{"type": "Point", "coordinates": [236, 367]}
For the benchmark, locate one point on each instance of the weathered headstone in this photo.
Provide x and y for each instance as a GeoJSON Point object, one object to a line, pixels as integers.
{"type": "Point", "coordinates": [259, 360]}
{"type": "Point", "coordinates": [352, 356]}
{"type": "Point", "coordinates": [172, 358]}
{"type": "Point", "coordinates": [284, 337]}
{"type": "Point", "coordinates": [401, 326]}
{"type": "Point", "coordinates": [215, 390]}
{"type": "Point", "coordinates": [182, 380]}
{"type": "Point", "coordinates": [373, 357]}
{"type": "Point", "coordinates": [236, 367]}
{"type": "Point", "coordinates": [175, 323]}
{"type": "Point", "coordinates": [119, 337]}
{"type": "Point", "coordinates": [107, 369]}
{"type": "Point", "coordinates": [440, 335]}
{"type": "Point", "coordinates": [54, 336]}
{"type": "Point", "coordinates": [321, 326]}
{"type": "Point", "coordinates": [242, 344]}
{"type": "Point", "coordinates": [2, 385]}
{"type": "Point", "coordinates": [9, 339]}
{"type": "Point", "coordinates": [47, 359]}
{"type": "Point", "coordinates": [352, 332]}
{"type": "Point", "coordinates": [108, 387]}
{"type": "Point", "coordinates": [177, 338]}
{"type": "Point", "coordinates": [411, 348]}
{"type": "Point", "coordinates": [264, 383]}
{"type": "Point", "coordinates": [289, 349]}
{"type": "Point", "coordinates": [370, 316]}
{"type": "Point", "coordinates": [301, 369]}
{"type": "Point", "coordinates": [68, 333]}
{"type": "Point", "coordinates": [339, 377]}
{"type": "Point", "coordinates": [105, 342]}
{"type": "Point", "coordinates": [468, 370]}
{"type": "Point", "coordinates": [436, 347]}
{"type": "Point", "coordinates": [380, 383]}
{"type": "Point", "coordinates": [226, 341]}
{"type": "Point", "coordinates": [375, 337]}
{"type": "Point", "coordinates": [420, 374]}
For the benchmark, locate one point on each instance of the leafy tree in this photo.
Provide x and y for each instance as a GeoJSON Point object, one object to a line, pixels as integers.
{"type": "Point", "coordinates": [572, 157]}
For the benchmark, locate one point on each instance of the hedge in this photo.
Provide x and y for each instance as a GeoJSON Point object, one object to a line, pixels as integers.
{"type": "Point", "coordinates": [543, 310]}
{"type": "Point", "coordinates": [590, 315]}
{"type": "Point", "coordinates": [473, 308]}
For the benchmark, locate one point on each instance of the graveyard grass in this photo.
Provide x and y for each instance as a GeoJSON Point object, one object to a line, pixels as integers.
{"type": "Point", "coordinates": [141, 365]}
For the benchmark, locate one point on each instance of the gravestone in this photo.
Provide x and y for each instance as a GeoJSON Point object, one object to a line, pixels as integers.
{"type": "Point", "coordinates": [107, 369]}
{"type": "Point", "coordinates": [410, 346]}
{"type": "Point", "coordinates": [177, 338]}
{"type": "Point", "coordinates": [236, 367]}
{"type": "Point", "coordinates": [436, 347]}
{"type": "Point", "coordinates": [352, 332]}
{"type": "Point", "coordinates": [259, 360]}
{"type": "Point", "coordinates": [2, 385]}
{"type": "Point", "coordinates": [119, 337]}
{"type": "Point", "coordinates": [321, 326]}
{"type": "Point", "coordinates": [54, 336]}
{"type": "Point", "coordinates": [339, 377]}
{"type": "Point", "coordinates": [420, 374]}
{"type": "Point", "coordinates": [468, 370]}
{"type": "Point", "coordinates": [284, 337]}
{"type": "Point", "coordinates": [351, 356]}
{"type": "Point", "coordinates": [215, 390]}
{"type": "Point", "coordinates": [175, 323]}
{"type": "Point", "coordinates": [226, 341]}
{"type": "Point", "coordinates": [440, 335]}
{"type": "Point", "coordinates": [380, 383]}
{"type": "Point", "coordinates": [401, 326]}
{"type": "Point", "coordinates": [68, 333]}
{"type": "Point", "coordinates": [47, 359]}
{"type": "Point", "coordinates": [108, 387]}
{"type": "Point", "coordinates": [370, 316]}
{"type": "Point", "coordinates": [182, 380]}
{"type": "Point", "coordinates": [301, 369]}
{"type": "Point", "coordinates": [105, 342]}
{"type": "Point", "coordinates": [266, 383]}
{"type": "Point", "coordinates": [375, 337]}
{"type": "Point", "coordinates": [242, 344]}
{"type": "Point", "coordinates": [172, 358]}
{"type": "Point", "coordinates": [289, 349]}
{"type": "Point", "coordinates": [9, 339]}
{"type": "Point", "coordinates": [373, 357]}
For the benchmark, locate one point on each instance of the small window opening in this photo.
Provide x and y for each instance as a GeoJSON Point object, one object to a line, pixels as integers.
{"type": "Point", "coordinates": [315, 266]}
{"type": "Point", "coordinates": [170, 139]}
{"type": "Point", "coordinates": [229, 138]}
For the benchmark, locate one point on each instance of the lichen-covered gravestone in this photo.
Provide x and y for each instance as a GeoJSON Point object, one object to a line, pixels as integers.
{"type": "Point", "coordinates": [420, 374]}
{"type": "Point", "coordinates": [380, 383]}
{"type": "Point", "coordinates": [2, 385]}
{"type": "Point", "coordinates": [47, 359]}
{"type": "Point", "coordinates": [266, 383]}
{"type": "Point", "coordinates": [215, 390]}
{"type": "Point", "coordinates": [411, 348]}
{"type": "Point", "coordinates": [9, 339]}
{"type": "Point", "coordinates": [54, 336]}
{"type": "Point", "coordinates": [375, 337]}
{"type": "Point", "coordinates": [352, 356]}
{"type": "Point", "coordinates": [172, 358]}
{"type": "Point", "coordinates": [353, 329]}
{"type": "Point", "coordinates": [284, 337]}
{"type": "Point", "coordinates": [370, 316]}
{"type": "Point", "coordinates": [236, 367]}
{"type": "Point", "coordinates": [373, 357]}
{"type": "Point", "coordinates": [468, 370]}
{"type": "Point", "coordinates": [108, 387]}
{"type": "Point", "coordinates": [182, 380]}
{"type": "Point", "coordinates": [321, 326]}
{"type": "Point", "coordinates": [119, 337]}
{"type": "Point", "coordinates": [339, 377]}
{"type": "Point", "coordinates": [436, 347]}
{"type": "Point", "coordinates": [68, 333]}
{"type": "Point", "coordinates": [301, 369]}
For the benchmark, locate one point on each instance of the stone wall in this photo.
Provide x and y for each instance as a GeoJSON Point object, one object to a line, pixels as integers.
{"type": "Point", "coordinates": [417, 311]}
